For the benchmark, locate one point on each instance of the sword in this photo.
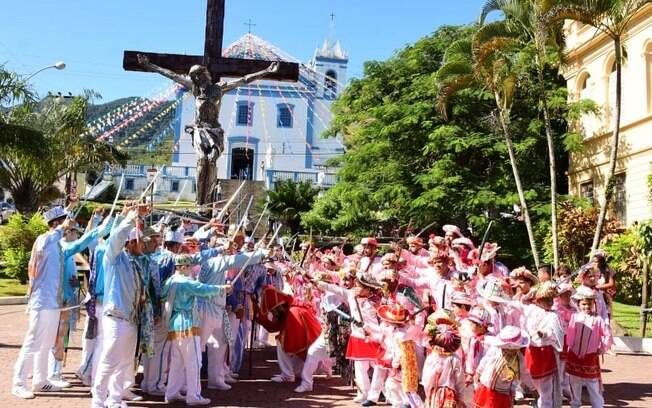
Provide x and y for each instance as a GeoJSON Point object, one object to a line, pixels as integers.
{"type": "Point", "coordinates": [249, 259]}
{"type": "Point", "coordinates": [183, 188]}
{"type": "Point", "coordinates": [115, 200]}
{"type": "Point", "coordinates": [228, 203]}
{"type": "Point", "coordinates": [151, 184]}
{"type": "Point", "coordinates": [81, 205]}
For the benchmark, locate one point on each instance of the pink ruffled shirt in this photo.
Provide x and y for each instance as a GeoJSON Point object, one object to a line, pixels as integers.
{"type": "Point", "coordinates": [588, 334]}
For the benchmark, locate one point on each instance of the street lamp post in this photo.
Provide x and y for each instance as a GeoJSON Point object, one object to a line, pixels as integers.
{"type": "Point", "coordinates": [59, 65]}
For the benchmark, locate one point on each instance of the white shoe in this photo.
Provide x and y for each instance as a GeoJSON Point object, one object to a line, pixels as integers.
{"type": "Point", "coordinates": [47, 387]}
{"type": "Point", "coordinates": [22, 392]}
{"type": "Point", "coordinates": [235, 375]}
{"type": "Point", "coordinates": [219, 386]}
{"type": "Point", "coordinates": [174, 398]}
{"type": "Point", "coordinates": [359, 398]}
{"type": "Point", "coordinates": [201, 401]}
{"type": "Point", "coordinates": [128, 395]}
{"type": "Point", "coordinates": [280, 379]}
{"type": "Point", "coordinates": [518, 395]}
{"type": "Point", "coordinates": [230, 380]}
{"type": "Point", "coordinates": [58, 381]}
{"type": "Point", "coordinates": [302, 388]}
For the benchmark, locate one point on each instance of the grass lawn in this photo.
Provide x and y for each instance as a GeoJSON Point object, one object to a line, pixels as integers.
{"type": "Point", "coordinates": [629, 318]}
{"type": "Point", "coordinates": [11, 287]}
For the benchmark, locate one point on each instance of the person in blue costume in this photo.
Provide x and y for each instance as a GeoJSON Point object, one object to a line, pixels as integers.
{"type": "Point", "coordinates": [179, 316]}
{"type": "Point", "coordinates": [71, 245]}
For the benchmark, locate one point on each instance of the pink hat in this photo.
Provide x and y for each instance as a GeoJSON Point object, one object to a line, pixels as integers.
{"type": "Point", "coordinates": [369, 241]}
{"type": "Point", "coordinates": [453, 229]}
{"type": "Point", "coordinates": [565, 287]}
{"type": "Point", "coordinates": [510, 337]}
{"type": "Point", "coordinates": [461, 298]}
{"type": "Point", "coordinates": [479, 316]}
{"type": "Point", "coordinates": [492, 290]}
{"type": "Point", "coordinates": [464, 241]}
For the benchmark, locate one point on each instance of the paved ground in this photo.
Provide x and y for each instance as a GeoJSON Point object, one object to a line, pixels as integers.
{"type": "Point", "coordinates": [628, 379]}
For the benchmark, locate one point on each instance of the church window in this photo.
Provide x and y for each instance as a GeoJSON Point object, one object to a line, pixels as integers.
{"type": "Point", "coordinates": [586, 191]}
{"type": "Point", "coordinates": [174, 186]}
{"type": "Point", "coordinates": [129, 184]}
{"type": "Point", "coordinates": [284, 116]}
{"type": "Point", "coordinates": [245, 114]}
{"type": "Point", "coordinates": [330, 84]}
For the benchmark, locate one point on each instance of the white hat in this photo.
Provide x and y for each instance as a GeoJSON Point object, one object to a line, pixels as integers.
{"type": "Point", "coordinates": [510, 337]}
{"type": "Point", "coordinates": [584, 293]}
{"type": "Point", "coordinates": [464, 241]}
{"type": "Point", "coordinates": [54, 213]}
{"type": "Point", "coordinates": [135, 233]}
{"type": "Point", "coordinates": [453, 229]}
{"type": "Point", "coordinates": [174, 236]}
{"type": "Point", "coordinates": [249, 240]}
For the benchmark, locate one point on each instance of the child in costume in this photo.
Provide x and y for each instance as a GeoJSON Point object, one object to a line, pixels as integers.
{"type": "Point", "coordinates": [565, 310]}
{"type": "Point", "coordinates": [588, 336]}
{"type": "Point", "coordinates": [399, 356]}
{"type": "Point", "coordinates": [500, 369]}
{"type": "Point", "coordinates": [363, 347]}
{"type": "Point", "coordinates": [179, 316]}
{"type": "Point", "coordinates": [546, 342]}
{"type": "Point", "coordinates": [443, 378]}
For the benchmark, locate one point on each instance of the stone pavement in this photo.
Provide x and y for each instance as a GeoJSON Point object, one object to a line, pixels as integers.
{"type": "Point", "coordinates": [628, 380]}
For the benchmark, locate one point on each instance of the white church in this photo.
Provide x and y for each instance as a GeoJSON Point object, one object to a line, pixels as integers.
{"type": "Point", "coordinates": [272, 129]}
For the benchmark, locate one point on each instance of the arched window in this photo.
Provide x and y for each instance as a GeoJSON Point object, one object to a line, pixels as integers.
{"type": "Point", "coordinates": [330, 84]}
{"type": "Point", "coordinates": [583, 86]}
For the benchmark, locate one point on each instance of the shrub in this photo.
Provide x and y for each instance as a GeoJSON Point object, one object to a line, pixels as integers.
{"type": "Point", "coordinates": [16, 241]}
{"type": "Point", "coordinates": [623, 252]}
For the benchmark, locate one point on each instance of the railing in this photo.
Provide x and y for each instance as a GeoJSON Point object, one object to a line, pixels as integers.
{"type": "Point", "coordinates": [140, 170]}
{"type": "Point", "coordinates": [320, 179]}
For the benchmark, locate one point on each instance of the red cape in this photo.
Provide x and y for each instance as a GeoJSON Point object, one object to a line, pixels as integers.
{"type": "Point", "coordinates": [300, 327]}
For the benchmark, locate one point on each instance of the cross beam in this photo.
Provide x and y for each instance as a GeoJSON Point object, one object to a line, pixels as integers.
{"type": "Point", "coordinates": [212, 58]}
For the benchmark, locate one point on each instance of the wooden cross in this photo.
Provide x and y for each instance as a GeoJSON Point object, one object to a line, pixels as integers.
{"type": "Point", "coordinates": [217, 65]}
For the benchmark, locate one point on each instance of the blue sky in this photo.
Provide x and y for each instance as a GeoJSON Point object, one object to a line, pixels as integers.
{"type": "Point", "coordinates": [90, 35]}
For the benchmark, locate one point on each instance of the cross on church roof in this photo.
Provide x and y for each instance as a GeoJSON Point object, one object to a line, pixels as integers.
{"type": "Point", "coordinates": [250, 24]}
{"type": "Point", "coordinates": [212, 58]}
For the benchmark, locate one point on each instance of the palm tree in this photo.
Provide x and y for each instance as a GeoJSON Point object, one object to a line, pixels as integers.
{"type": "Point", "coordinates": [48, 142]}
{"type": "Point", "coordinates": [488, 60]}
{"type": "Point", "coordinates": [289, 199]}
{"type": "Point", "coordinates": [611, 18]}
{"type": "Point", "coordinates": [526, 16]}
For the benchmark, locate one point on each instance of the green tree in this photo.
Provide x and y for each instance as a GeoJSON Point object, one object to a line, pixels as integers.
{"type": "Point", "coordinates": [489, 59]}
{"type": "Point", "coordinates": [526, 16]}
{"type": "Point", "coordinates": [404, 162]}
{"type": "Point", "coordinates": [288, 200]}
{"type": "Point", "coordinates": [16, 240]}
{"type": "Point", "coordinates": [611, 18]}
{"type": "Point", "coordinates": [54, 130]}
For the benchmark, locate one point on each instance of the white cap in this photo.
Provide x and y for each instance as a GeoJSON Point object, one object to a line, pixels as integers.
{"type": "Point", "coordinates": [135, 233]}
{"type": "Point", "coordinates": [54, 213]}
{"type": "Point", "coordinates": [249, 240]}
{"type": "Point", "coordinates": [174, 236]}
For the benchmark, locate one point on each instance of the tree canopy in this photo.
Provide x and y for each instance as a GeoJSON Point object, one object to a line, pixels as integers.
{"type": "Point", "coordinates": [405, 162]}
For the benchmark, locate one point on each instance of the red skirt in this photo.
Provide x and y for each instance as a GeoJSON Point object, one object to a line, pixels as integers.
{"type": "Point", "coordinates": [486, 398]}
{"type": "Point", "coordinates": [586, 367]}
{"type": "Point", "coordinates": [359, 349]}
{"type": "Point", "coordinates": [540, 361]}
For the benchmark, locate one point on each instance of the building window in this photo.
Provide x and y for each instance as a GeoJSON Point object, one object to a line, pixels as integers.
{"type": "Point", "coordinates": [129, 184]}
{"type": "Point", "coordinates": [284, 116]}
{"type": "Point", "coordinates": [586, 191]}
{"type": "Point", "coordinates": [330, 85]}
{"type": "Point", "coordinates": [620, 198]}
{"type": "Point", "coordinates": [194, 187]}
{"type": "Point", "coordinates": [245, 114]}
{"type": "Point", "coordinates": [174, 186]}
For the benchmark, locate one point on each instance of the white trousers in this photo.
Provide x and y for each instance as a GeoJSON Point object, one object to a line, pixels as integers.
{"type": "Point", "coordinates": [394, 393]}
{"type": "Point", "coordinates": [115, 368]}
{"type": "Point", "coordinates": [235, 327]}
{"type": "Point", "coordinates": [291, 365]}
{"type": "Point", "coordinates": [262, 335]}
{"type": "Point", "coordinates": [39, 340]}
{"type": "Point", "coordinates": [213, 338]}
{"type": "Point", "coordinates": [91, 348]}
{"type": "Point", "coordinates": [185, 364]}
{"type": "Point", "coordinates": [155, 368]}
{"type": "Point", "coordinates": [549, 390]}
{"type": "Point", "coordinates": [593, 388]}
{"type": "Point", "coordinates": [370, 390]}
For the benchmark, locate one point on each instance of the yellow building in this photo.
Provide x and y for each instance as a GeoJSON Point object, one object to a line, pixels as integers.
{"type": "Point", "coordinates": [590, 74]}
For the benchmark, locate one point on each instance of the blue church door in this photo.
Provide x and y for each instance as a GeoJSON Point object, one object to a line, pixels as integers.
{"type": "Point", "coordinates": [242, 163]}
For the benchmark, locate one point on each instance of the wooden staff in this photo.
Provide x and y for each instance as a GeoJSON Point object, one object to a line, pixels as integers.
{"type": "Point", "coordinates": [228, 203]}
{"type": "Point", "coordinates": [249, 259]}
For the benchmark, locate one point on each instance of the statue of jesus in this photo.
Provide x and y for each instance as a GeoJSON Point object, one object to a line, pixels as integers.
{"type": "Point", "coordinates": [206, 133]}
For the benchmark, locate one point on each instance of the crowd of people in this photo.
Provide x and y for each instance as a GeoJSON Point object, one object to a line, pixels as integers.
{"type": "Point", "coordinates": [431, 324]}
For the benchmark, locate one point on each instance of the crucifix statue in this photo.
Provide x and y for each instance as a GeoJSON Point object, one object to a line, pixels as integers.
{"type": "Point", "coordinates": [201, 75]}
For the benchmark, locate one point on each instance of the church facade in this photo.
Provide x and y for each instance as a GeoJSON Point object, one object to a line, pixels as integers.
{"type": "Point", "coordinates": [273, 130]}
